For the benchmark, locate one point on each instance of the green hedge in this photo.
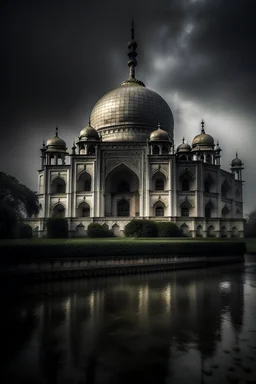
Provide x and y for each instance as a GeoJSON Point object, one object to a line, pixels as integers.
{"type": "Point", "coordinates": [168, 229]}
{"type": "Point", "coordinates": [46, 249]}
{"type": "Point", "coordinates": [25, 231]}
{"type": "Point", "coordinates": [141, 228]}
{"type": "Point", "coordinates": [57, 227]}
{"type": "Point", "coordinates": [97, 230]}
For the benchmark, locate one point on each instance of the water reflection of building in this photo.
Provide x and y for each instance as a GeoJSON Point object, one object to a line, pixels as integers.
{"type": "Point", "coordinates": [121, 326]}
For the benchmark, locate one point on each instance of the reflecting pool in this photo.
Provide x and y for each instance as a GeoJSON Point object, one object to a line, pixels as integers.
{"type": "Point", "coordinates": [193, 326]}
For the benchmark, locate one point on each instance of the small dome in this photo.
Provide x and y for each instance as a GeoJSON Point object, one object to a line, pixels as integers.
{"type": "Point", "coordinates": [236, 162]}
{"type": "Point", "coordinates": [184, 147]}
{"type": "Point", "coordinates": [56, 144]}
{"type": "Point", "coordinates": [159, 135]}
{"type": "Point", "coordinates": [88, 133]}
{"type": "Point", "coordinates": [203, 139]}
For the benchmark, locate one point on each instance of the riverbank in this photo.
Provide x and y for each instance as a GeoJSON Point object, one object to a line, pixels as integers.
{"type": "Point", "coordinates": [45, 259]}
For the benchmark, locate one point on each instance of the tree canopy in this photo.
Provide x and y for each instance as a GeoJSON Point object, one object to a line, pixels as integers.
{"type": "Point", "coordinates": [16, 202]}
{"type": "Point", "coordinates": [250, 226]}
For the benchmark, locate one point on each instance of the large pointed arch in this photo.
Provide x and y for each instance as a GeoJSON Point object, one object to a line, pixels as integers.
{"type": "Point", "coordinates": [122, 183]}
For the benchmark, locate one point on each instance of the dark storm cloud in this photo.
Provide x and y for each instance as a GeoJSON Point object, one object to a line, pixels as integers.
{"type": "Point", "coordinates": [60, 57]}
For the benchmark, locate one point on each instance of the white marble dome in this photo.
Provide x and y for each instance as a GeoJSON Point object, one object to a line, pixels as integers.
{"type": "Point", "coordinates": [130, 113]}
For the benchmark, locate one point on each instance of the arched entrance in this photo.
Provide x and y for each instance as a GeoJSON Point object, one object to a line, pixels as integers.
{"type": "Point", "coordinates": [122, 192]}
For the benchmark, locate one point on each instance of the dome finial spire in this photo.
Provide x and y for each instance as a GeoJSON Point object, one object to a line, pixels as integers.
{"type": "Point", "coordinates": [132, 45]}
{"type": "Point", "coordinates": [57, 131]}
{"type": "Point", "coordinates": [202, 125]}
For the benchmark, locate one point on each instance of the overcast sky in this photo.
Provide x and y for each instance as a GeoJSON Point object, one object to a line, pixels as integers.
{"type": "Point", "coordinates": [59, 57]}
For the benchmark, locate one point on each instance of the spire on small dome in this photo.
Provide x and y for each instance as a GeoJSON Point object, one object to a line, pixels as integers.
{"type": "Point", "coordinates": [202, 125]}
{"type": "Point", "coordinates": [57, 131]}
{"type": "Point", "coordinates": [158, 125]}
{"type": "Point", "coordinates": [183, 140]}
{"type": "Point", "coordinates": [236, 155]}
{"type": "Point", "coordinates": [74, 148]}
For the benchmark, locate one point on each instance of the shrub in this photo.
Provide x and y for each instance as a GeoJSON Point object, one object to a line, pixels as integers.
{"type": "Point", "coordinates": [9, 228]}
{"type": "Point", "coordinates": [98, 230]}
{"type": "Point", "coordinates": [57, 227]}
{"type": "Point", "coordinates": [141, 228]}
{"type": "Point", "coordinates": [168, 229]}
{"type": "Point", "coordinates": [25, 231]}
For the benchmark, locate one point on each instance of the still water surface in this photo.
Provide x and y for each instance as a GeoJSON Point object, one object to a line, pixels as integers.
{"type": "Point", "coordinates": [194, 326]}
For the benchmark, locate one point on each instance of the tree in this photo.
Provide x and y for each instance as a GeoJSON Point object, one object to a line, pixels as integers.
{"type": "Point", "coordinates": [250, 226]}
{"type": "Point", "coordinates": [16, 202]}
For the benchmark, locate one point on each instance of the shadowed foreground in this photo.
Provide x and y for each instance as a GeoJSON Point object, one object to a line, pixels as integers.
{"type": "Point", "coordinates": [173, 327]}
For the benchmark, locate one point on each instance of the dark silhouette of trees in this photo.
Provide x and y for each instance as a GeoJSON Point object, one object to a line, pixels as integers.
{"type": "Point", "coordinates": [16, 202]}
{"type": "Point", "coordinates": [250, 226]}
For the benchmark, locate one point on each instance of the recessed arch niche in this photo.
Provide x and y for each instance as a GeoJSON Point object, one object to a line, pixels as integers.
{"type": "Point", "coordinates": [122, 192]}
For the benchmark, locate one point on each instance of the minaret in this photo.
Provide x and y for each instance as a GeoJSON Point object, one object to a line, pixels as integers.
{"type": "Point", "coordinates": [236, 167]}
{"type": "Point", "coordinates": [43, 156]}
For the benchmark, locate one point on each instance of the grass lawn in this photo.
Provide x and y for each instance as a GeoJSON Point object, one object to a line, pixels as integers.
{"type": "Point", "coordinates": [118, 240]}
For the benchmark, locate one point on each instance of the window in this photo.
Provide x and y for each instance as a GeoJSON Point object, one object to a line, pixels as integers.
{"type": "Point", "coordinates": [207, 186]}
{"type": "Point", "coordinates": [60, 188]}
{"type": "Point", "coordinates": [159, 186]}
{"type": "Point", "coordinates": [184, 212]}
{"type": "Point", "coordinates": [159, 211]}
{"type": "Point", "coordinates": [225, 211]}
{"type": "Point", "coordinates": [86, 212]}
{"type": "Point", "coordinates": [208, 210]}
{"type": "Point", "coordinates": [58, 211]}
{"type": "Point", "coordinates": [59, 161]}
{"type": "Point", "coordinates": [84, 182]}
{"type": "Point", "coordinates": [208, 159]}
{"type": "Point", "coordinates": [185, 185]}
{"type": "Point", "coordinates": [225, 189]}
{"type": "Point", "coordinates": [165, 151]}
{"type": "Point", "coordinates": [87, 185]}
{"type": "Point", "coordinates": [155, 150]}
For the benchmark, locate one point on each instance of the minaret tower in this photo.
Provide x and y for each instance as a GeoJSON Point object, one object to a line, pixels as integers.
{"type": "Point", "coordinates": [236, 167]}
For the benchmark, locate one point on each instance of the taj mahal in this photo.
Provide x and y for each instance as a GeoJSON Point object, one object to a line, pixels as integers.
{"type": "Point", "coordinates": [124, 165]}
